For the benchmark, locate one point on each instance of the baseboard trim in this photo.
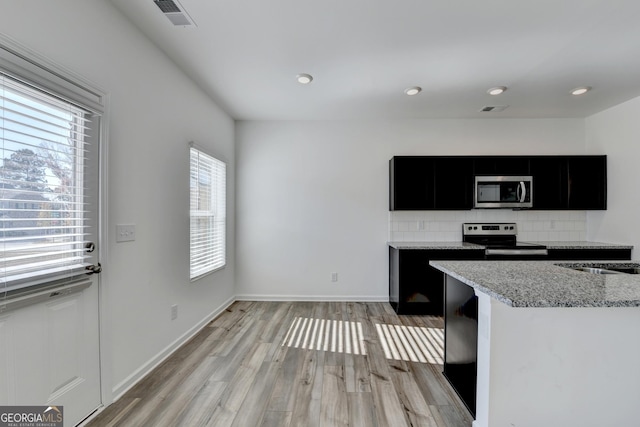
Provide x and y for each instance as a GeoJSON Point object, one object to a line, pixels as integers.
{"type": "Point", "coordinates": [313, 298]}
{"type": "Point", "coordinates": [125, 385]}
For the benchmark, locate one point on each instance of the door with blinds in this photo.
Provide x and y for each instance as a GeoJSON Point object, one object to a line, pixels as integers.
{"type": "Point", "coordinates": [49, 252]}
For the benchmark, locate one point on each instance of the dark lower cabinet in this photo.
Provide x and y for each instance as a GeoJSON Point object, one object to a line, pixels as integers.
{"type": "Point", "coordinates": [587, 254]}
{"type": "Point", "coordinates": [461, 340]}
{"type": "Point", "coordinates": [414, 286]}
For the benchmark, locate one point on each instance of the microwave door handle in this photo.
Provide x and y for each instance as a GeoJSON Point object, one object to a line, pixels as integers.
{"type": "Point", "coordinates": [523, 192]}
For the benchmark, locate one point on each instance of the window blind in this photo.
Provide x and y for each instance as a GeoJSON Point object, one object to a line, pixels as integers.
{"type": "Point", "coordinates": [207, 213]}
{"type": "Point", "coordinates": [42, 201]}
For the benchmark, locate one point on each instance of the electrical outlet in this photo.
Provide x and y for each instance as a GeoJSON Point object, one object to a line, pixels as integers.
{"type": "Point", "coordinates": [334, 277]}
{"type": "Point", "coordinates": [174, 311]}
{"type": "Point", "coordinates": [125, 232]}
{"type": "Point", "coordinates": [420, 225]}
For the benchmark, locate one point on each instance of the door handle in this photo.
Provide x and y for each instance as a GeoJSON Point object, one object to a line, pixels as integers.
{"type": "Point", "coordinates": [94, 269]}
{"type": "Point", "coordinates": [523, 192]}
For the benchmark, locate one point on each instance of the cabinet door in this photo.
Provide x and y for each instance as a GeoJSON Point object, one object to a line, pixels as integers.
{"type": "Point", "coordinates": [414, 286]}
{"type": "Point", "coordinates": [501, 165]}
{"type": "Point", "coordinates": [589, 254]}
{"type": "Point", "coordinates": [453, 183]}
{"type": "Point", "coordinates": [549, 182]}
{"type": "Point", "coordinates": [411, 183]}
{"type": "Point", "coordinates": [587, 182]}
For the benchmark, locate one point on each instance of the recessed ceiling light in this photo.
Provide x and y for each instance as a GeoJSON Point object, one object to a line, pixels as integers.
{"type": "Point", "coordinates": [304, 78]}
{"type": "Point", "coordinates": [414, 90]}
{"type": "Point", "coordinates": [580, 90]}
{"type": "Point", "coordinates": [496, 90]}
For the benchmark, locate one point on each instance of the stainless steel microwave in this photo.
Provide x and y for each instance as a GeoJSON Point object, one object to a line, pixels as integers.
{"type": "Point", "coordinates": [514, 192]}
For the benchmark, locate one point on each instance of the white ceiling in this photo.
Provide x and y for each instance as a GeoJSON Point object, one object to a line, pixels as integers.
{"type": "Point", "coordinates": [363, 53]}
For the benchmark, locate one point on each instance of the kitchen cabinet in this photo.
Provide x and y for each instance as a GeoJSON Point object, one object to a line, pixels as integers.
{"type": "Point", "coordinates": [461, 340]}
{"type": "Point", "coordinates": [501, 165]}
{"type": "Point", "coordinates": [430, 182]}
{"type": "Point", "coordinates": [549, 182]}
{"type": "Point", "coordinates": [411, 183]}
{"type": "Point", "coordinates": [587, 182]}
{"type": "Point", "coordinates": [414, 286]}
{"type": "Point", "coordinates": [446, 182]}
{"type": "Point", "coordinates": [584, 254]}
{"type": "Point", "coordinates": [569, 182]}
{"type": "Point", "coordinates": [562, 347]}
{"type": "Point", "coordinates": [453, 183]}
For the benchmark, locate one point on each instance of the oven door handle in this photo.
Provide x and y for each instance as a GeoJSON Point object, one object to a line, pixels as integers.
{"type": "Point", "coordinates": [516, 252]}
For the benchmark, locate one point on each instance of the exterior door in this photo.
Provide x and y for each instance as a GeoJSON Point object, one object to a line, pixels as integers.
{"type": "Point", "coordinates": [49, 219]}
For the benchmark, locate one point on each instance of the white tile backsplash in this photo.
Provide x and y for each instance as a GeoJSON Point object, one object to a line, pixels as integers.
{"type": "Point", "coordinates": [446, 226]}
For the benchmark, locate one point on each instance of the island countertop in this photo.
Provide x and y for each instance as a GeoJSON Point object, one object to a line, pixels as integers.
{"type": "Point", "coordinates": [545, 283]}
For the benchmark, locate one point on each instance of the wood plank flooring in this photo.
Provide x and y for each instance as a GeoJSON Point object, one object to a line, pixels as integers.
{"type": "Point", "coordinates": [252, 367]}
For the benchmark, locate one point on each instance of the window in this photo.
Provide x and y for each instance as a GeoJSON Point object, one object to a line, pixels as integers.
{"type": "Point", "coordinates": [42, 199]}
{"type": "Point", "coordinates": [207, 213]}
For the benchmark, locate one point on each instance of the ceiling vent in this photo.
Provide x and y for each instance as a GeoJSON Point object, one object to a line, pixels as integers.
{"type": "Point", "coordinates": [175, 12]}
{"type": "Point", "coordinates": [493, 108]}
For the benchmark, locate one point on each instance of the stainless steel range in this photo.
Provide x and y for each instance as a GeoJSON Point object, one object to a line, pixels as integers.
{"type": "Point", "coordinates": [500, 240]}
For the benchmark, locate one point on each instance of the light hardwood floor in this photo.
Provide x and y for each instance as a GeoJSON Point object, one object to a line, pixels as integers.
{"type": "Point", "coordinates": [289, 364]}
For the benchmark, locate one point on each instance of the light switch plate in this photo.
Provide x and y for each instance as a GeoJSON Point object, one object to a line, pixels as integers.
{"type": "Point", "coordinates": [125, 233]}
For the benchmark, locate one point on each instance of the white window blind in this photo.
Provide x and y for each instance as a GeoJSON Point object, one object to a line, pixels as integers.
{"type": "Point", "coordinates": [42, 207]}
{"type": "Point", "coordinates": [207, 213]}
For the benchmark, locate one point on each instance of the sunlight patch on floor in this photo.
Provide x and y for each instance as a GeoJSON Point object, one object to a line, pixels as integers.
{"type": "Point", "coordinates": [338, 336]}
{"type": "Point", "coordinates": [411, 343]}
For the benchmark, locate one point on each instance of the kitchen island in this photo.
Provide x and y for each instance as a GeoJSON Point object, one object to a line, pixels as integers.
{"type": "Point", "coordinates": [555, 346]}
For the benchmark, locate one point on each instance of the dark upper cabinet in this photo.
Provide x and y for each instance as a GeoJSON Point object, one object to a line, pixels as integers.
{"type": "Point", "coordinates": [411, 183]}
{"type": "Point", "coordinates": [430, 182]}
{"type": "Point", "coordinates": [453, 183]}
{"type": "Point", "coordinates": [446, 182]}
{"type": "Point", "coordinates": [501, 165]}
{"type": "Point", "coordinates": [587, 182]}
{"type": "Point", "coordinates": [569, 182]}
{"type": "Point", "coordinates": [549, 182]}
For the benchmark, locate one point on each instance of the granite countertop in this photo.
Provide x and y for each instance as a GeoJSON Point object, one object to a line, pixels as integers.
{"type": "Point", "coordinates": [465, 246]}
{"type": "Point", "coordinates": [582, 245]}
{"type": "Point", "coordinates": [545, 284]}
{"type": "Point", "coordinates": [435, 245]}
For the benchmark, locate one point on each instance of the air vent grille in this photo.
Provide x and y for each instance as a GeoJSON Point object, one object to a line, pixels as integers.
{"type": "Point", "coordinates": [493, 108]}
{"type": "Point", "coordinates": [167, 6]}
{"type": "Point", "coordinates": [175, 12]}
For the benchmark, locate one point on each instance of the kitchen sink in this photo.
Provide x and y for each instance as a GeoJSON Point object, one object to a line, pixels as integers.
{"type": "Point", "coordinates": [626, 270]}
{"type": "Point", "coordinates": [604, 268]}
{"type": "Point", "coordinates": [595, 270]}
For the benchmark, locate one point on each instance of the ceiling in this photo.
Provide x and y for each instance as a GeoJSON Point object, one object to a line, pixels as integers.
{"type": "Point", "coordinates": [363, 53]}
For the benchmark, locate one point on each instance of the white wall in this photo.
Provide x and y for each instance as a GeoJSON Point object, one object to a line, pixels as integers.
{"type": "Point", "coordinates": [154, 111]}
{"type": "Point", "coordinates": [313, 196]}
{"type": "Point", "coordinates": [616, 132]}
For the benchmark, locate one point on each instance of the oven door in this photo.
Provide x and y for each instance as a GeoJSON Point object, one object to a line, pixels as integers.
{"type": "Point", "coordinates": [520, 254]}
{"type": "Point", "coordinates": [503, 192]}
